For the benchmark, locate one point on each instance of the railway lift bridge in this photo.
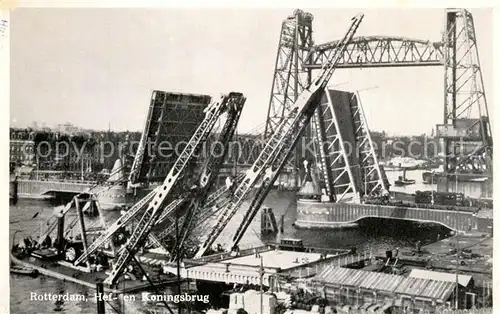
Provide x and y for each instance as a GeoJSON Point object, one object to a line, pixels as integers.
{"type": "Point", "coordinates": [465, 134]}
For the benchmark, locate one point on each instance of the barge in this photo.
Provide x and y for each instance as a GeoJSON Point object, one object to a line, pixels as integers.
{"type": "Point", "coordinates": [67, 272]}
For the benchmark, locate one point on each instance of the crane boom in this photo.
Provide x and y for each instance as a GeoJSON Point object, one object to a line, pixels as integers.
{"type": "Point", "coordinates": [279, 146]}
{"type": "Point", "coordinates": [157, 204]}
{"type": "Point", "coordinates": [69, 205]}
{"type": "Point", "coordinates": [209, 208]}
{"type": "Point", "coordinates": [117, 224]}
{"type": "Point", "coordinates": [251, 177]}
{"type": "Point", "coordinates": [211, 167]}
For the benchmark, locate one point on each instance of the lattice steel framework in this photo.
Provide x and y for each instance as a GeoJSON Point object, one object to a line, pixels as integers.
{"type": "Point", "coordinates": [379, 51]}
{"type": "Point", "coordinates": [290, 78]}
{"type": "Point", "coordinates": [466, 132]}
{"type": "Point", "coordinates": [335, 164]}
{"type": "Point", "coordinates": [348, 161]}
{"type": "Point", "coordinates": [171, 120]}
{"type": "Point", "coordinates": [374, 181]}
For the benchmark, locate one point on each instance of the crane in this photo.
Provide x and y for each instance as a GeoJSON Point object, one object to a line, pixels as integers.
{"type": "Point", "coordinates": [52, 221]}
{"type": "Point", "coordinates": [211, 168]}
{"type": "Point", "coordinates": [165, 193]}
{"type": "Point", "coordinates": [278, 147]}
{"type": "Point", "coordinates": [139, 207]}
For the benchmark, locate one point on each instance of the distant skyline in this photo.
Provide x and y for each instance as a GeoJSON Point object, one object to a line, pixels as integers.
{"type": "Point", "coordinates": [110, 128]}
{"type": "Point", "coordinates": [98, 67]}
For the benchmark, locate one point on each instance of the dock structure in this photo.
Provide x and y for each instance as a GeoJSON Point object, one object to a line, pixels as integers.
{"type": "Point", "coordinates": [336, 117]}
{"type": "Point", "coordinates": [338, 215]}
{"type": "Point", "coordinates": [268, 221]}
{"type": "Point", "coordinates": [279, 266]}
{"type": "Point", "coordinates": [363, 288]}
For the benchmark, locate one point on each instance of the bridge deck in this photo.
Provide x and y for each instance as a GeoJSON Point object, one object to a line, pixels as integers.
{"type": "Point", "coordinates": [41, 187]}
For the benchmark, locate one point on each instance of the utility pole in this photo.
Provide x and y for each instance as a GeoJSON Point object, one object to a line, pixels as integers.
{"type": "Point", "coordinates": [177, 253]}
{"type": "Point", "coordinates": [261, 273]}
{"type": "Point", "coordinates": [100, 300]}
{"type": "Point", "coordinates": [457, 244]}
{"type": "Point", "coordinates": [81, 170]}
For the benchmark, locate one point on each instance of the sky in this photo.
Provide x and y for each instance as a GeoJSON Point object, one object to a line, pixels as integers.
{"type": "Point", "coordinates": [97, 68]}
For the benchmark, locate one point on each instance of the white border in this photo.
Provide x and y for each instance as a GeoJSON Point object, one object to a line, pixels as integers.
{"type": "Point", "coordinates": [5, 5]}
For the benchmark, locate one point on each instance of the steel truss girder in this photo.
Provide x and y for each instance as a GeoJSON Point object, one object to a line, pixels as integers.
{"type": "Point", "coordinates": [157, 204]}
{"type": "Point", "coordinates": [465, 99]}
{"type": "Point", "coordinates": [380, 51]}
{"type": "Point", "coordinates": [69, 205]}
{"type": "Point", "coordinates": [293, 134]}
{"type": "Point", "coordinates": [117, 225]}
{"type": "Point", "coordinates": [211, 169]}
{"type": "Point", "coordinates": [163, 126]}
{"type": "Point", "coordinates": [336, 161]}
{"type": "Point", "coordinates": [373, 181]}
{"type": "Point", "coordinates": [245, 150]}
{"type": "Point", "coordinates": [318, 123]}
{"type": "Point", "coordinates": [211, 207]}
{"type": "Point", "coordinates": [279, 146]}
{"type": "Point", "coordinates": [289, 78]}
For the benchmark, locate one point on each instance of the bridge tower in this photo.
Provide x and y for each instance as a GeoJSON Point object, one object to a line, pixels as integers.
{"type": "Point", "coordinates": [323, 141]}
{"type": "Point", "coordinates": [290, 78]}
{"type": "Point", "coordinates": [465, 134]}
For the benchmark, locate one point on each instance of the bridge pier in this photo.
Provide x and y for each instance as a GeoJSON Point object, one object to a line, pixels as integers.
{"type": "Point", "coordinates": [345, 215]}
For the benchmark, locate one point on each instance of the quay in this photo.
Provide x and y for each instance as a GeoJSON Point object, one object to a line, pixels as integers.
{"type": "Point", "coordinates": [337, 189]}
{"type": "Point", "coordinates": [50, 188]}
{"type": "Point", "coordinates": [278, 266]}
{"type": "Point", "coordinates": [89, 280]}
{"type": "Point", "coordinates": [340, 215]}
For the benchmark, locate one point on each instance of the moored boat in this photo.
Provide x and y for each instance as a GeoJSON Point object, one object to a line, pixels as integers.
{"type": "Point", "coordinates": [402, 180]}
{"type": "Point", "coordinates": [26, 271]}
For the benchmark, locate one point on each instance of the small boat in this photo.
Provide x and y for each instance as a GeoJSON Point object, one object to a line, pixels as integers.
{"type": "Point", "coordinates": [402, 181]}
{"type": "Point", "coordinates": [16, 253]}
{"type": "Point", "coordinates": [21, 270]}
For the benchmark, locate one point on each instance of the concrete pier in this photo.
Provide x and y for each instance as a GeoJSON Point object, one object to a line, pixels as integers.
{"type": "Point", "coordinates": [342, 215]}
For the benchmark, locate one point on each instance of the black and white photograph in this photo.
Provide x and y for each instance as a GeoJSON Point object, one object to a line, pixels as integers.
{"type": "Point", "coordinates": [298, 159]}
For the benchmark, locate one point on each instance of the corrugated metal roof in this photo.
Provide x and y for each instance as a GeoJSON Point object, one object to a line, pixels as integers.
{"type": "Point", "coordinates": [440, 290]}
{"type": "Point", "coordinates": [418, 287]}
{"type": "Point", "coordinates": [381, 282]}
{"type": "Point", "coordinates": [359, 278]}
{"type": "Point", "coordinates": [412, 286]}
{"type": "Point", "coordinates": [463, 280]}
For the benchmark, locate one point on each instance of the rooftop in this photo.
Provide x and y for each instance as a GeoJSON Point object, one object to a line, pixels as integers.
{"type": "Point", "coordinates": [463, 280]}
{"type": "Point", "coordinates": [435, 288]}
{"type": "Point", "coordinates": [276, 259]}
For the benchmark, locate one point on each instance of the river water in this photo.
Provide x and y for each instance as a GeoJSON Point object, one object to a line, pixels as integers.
{"type": "Point", "coordinates": [374, 235]}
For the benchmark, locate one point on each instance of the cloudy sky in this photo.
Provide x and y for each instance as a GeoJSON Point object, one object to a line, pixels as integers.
{"type": "Point", "coordinates": [97, 67]}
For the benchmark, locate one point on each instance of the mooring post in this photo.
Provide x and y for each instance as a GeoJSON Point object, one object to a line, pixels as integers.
{"type": "Point", "coordinates": [100, 300]}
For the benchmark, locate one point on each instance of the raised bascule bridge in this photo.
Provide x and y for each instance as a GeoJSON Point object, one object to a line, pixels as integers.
{"type": "Point", "coordinates": [186, 214]}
